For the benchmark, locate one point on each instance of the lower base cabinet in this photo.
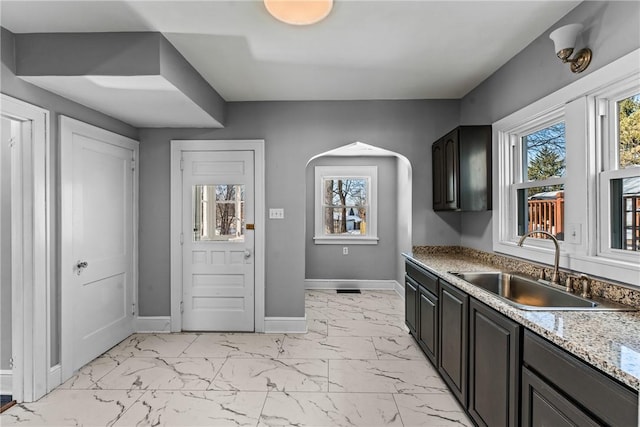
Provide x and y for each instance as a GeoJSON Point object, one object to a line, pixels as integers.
{"type": "Point", "coordinates": [410, 304]}
{"type": "Point", "coordinates": [452, 363]}
{"type": "Point", "coordinates": [503, 374]}
{"type": "Point", "coordinates": [543, 406]}
{"type": "Point", "coordinates": [429, 325]}
{"type": "Point", "coordinates": [494, 367]}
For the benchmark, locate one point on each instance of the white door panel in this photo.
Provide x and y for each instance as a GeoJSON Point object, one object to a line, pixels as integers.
{"type": "Point", "coordinates": [98, 259]}
{"type": "Point", "coordinates": [218, 268]}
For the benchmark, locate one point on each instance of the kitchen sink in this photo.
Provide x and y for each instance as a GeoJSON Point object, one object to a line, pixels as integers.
{"type": "Point", "coordinates": [529, 294]}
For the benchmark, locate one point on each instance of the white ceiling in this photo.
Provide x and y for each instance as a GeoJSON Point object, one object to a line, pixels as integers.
{"type": "Point", "coordinates": [363, 50]}
{"type": "Point", "coordinates": [141, 101]}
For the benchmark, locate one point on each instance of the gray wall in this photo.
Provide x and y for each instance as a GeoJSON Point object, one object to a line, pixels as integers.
{"type": "Point", "coordinates": [294, 132]}
{"type": "Point", "coordinates": [364, 262]}
{"type": "Point", "coordinates": [5, 245]}
{"type": "Point", "coordinates": [612, 29]}
{"type": "Point", "coordinates": [57, 105]}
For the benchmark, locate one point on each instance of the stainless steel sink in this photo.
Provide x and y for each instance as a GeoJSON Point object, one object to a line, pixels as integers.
{"type": "Point", "coordinates": [529, 294]}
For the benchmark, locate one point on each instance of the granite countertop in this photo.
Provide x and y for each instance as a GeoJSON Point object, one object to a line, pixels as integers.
{"type": "Point", "coordinates": [609, 341]}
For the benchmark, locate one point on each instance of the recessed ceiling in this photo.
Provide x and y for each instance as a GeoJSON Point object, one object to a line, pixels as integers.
{"type": "Point", "coordinates": [141, 101]}
{"type": "Point", "coordinates": [362, 50]}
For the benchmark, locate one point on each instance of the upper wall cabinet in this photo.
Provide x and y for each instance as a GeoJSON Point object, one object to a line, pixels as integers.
{"type": "Point", "coordinates": [462, 170]}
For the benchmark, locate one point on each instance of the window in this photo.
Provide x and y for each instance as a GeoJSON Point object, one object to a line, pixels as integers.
{"type": "Point", "coordinates": [569, 164]}
{"type": "Point", "coordinates": [619, 196]}
{"type": "Point", "coordinates": [218, 213]}
{"type": "Point", "coordinates": [539, 188]}
{"type": "Point", "coordinates": [345, 205]}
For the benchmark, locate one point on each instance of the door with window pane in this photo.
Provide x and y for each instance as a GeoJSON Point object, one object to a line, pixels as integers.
{"type": "Point", "coordinates": [218, 241]}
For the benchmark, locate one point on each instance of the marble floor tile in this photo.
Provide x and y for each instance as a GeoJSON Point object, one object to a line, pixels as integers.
{"type": "Point", "coordinates": [402, 347]}
{"type": "Point", "coordinates": [319, 326]}
{"type": "Point", "coordinates": [356, 366]}
{"type": "Point", "coordinates": [432, 410]}
{"type": "Point", "coordinates": [352, 313]}
{"type": "Point", "coordinates": [92, 372]}
{"type": "Point", "coordinates": [153, 345]}
{"type": "Point", "coordinates": [309, 346]}
{"type": "Point", "coordinates": [235, 345]}
{"type": "Point", "coordinates": [142, 373]}
{"type": "Point", "coordinates": [329, 409]}
{"type": "Point", "coordinates": [72, 408]}
{"type": "Point", "coordinates": [195, 408]}
{"type": "Point", "coordinates": [272, 374]}
{"type": "Point", "coordinates": [384, 376]}
{"type": "Point", "coordinates": [365, 328]}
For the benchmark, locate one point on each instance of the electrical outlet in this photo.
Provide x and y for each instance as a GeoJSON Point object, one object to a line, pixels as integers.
{"type": "Point", "coordinates": [573, 233]}
{"type": "Point", "coordinates": [345, 250]}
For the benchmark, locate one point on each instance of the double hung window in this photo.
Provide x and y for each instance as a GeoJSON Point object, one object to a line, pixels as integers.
{"type": "Point", "coordinates": [619, 189]}
{"type": "Point", "coordinates": [569, 164]}
{"type": "Point", "coordinates": [346, 205]}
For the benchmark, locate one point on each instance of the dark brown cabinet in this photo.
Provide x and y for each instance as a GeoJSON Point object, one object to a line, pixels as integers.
{"type": "Point", "coordinates": [429, 325]}
{"type": "Point", "coordinates": [410, 304]}
{"type": "Point", "coordinates": [543, 406]}
{"type": "Point", "coordinates": [494, 367]}
{"type": "Point", "coordinates": [577, 385]}
{"type": "Point", "coordinates": [502, 373]}
{"type": "Point", "coordinates": [461, 166]}
{"type": "Point", "coordinates": [452, 363]}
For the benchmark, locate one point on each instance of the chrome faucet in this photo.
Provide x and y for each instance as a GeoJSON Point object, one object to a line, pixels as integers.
{"type": "Point", "coordinates": [556, 260]}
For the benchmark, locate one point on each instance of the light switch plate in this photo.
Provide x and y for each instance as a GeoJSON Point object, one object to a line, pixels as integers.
{"type": "Point", "coordinates": [277, 213]}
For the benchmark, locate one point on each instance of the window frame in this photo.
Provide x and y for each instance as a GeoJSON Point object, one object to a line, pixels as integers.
{"type": "Point", "coordinates": [580, 251]}
{"type": "Point", "coordinates": [608, 166]}
{"type": "Point", "coordinates": [518, 171]}
{"type": "Point", "coordinates": [370, 173]}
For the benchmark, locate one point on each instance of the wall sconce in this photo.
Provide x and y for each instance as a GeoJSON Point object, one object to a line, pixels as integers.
{"type": "Point", "coordinates": [564, 40]}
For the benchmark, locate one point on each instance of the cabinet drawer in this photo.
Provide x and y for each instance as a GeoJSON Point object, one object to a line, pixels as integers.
{"type": "Point", "coordinates": [423, 277]}
{"type": "Point", "coordinates": [582, 383]}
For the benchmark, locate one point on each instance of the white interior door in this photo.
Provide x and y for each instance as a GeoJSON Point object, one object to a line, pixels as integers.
{"type": "Point", "coordinates": [218, 241]}
{"type": "Point", "coordinates": [98, 233]}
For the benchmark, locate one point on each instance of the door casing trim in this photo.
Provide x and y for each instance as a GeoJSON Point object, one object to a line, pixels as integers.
{"type": "Point", "coordinates": [177, 147]}
{"type": "Point", "coordinates": [30, 306]}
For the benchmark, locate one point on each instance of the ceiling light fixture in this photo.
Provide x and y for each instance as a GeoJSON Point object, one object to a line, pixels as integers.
{"type": "Point", "coordinates": [564, 40]}
{"type": "Point", "coordinates": [299, 12]}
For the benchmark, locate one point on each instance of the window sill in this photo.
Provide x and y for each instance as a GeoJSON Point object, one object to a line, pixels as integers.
{"type": "Point", "coordinates": [355, 240]}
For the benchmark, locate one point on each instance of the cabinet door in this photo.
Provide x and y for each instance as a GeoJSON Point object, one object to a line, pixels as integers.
{"type": "Point", "coordinates": [451, 173]}
{"type": "Point", "coordinates": [453, 340]}
{"type": "Point", "coordinates": [543, 406]}
{"type": "Point", "coordinates": [428, 331]}
{"type": "Point", "coordinates": [410, 304]}
{"type": "Point", "coordinates": [494, 367]}
{"type": "Point", "coordinates": [437, 160]}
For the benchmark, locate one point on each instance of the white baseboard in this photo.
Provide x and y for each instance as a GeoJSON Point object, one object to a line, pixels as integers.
{"type": "Point", "coordinates": [6, 381]}
{"type": "Point", "coordinates": [55, 377]}
{"type": "Point", "coordinates": [153, 324]}
{"type": "Point", "coordinates": [388, 285]}
{"type": "Point", "coordinates": [285, 325]}
{"type": "Point", "coordinates": [399, 289]}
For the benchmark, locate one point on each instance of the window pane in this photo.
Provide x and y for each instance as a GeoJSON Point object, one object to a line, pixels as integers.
{"type": "Point", "coordinates": [218, 213]}
{"type": "Point", "coordinates": [625, 213]}
{"type": "Point", "coordinates": [544, 153]}
{"type": "Point", "coordinates": [345, 192]}
{"type": "Point", "coordinates": [347, 220]}
{"type": "Point", "coordinates": [629, 131]}
{"type": "Point", "coordinates": [541, 208]}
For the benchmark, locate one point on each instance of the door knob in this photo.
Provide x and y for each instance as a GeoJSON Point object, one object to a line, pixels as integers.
{"type": "Point", "coordinates": [247, 253]}
{"type": "Point", "coordinates": [81, 265]}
